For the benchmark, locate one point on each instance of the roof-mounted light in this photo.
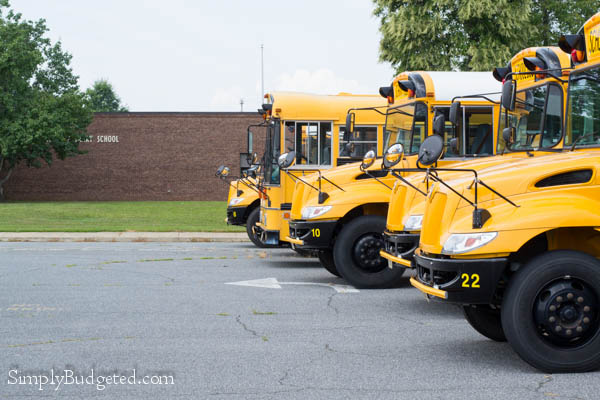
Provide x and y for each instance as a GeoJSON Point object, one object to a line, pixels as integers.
{"type": "Point", "coordinates": [535, 64]}
{"type": "Point", "coordinates": [499, 73]}
{"type": "Point", "coordinates": [573, 45]}
{"type": "Point", "coordinates": [385, 91]}
{"type": "Point", "coordinates": [408, 87]}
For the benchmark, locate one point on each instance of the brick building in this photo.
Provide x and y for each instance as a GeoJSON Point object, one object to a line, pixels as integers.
{"type": "Point", "coordinates": [145, 156]}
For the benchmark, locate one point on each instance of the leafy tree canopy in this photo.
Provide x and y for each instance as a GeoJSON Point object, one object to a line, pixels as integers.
{"type": "Point", "coordinates": [471, 35]}
{"type": "Point", "coordinates": [101, 97]}
{"type": "Point", "coordinates": [42, 111]}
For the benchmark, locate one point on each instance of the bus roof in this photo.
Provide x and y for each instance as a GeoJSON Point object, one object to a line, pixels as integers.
{"type": "Point", "coordinates": [298, 106]}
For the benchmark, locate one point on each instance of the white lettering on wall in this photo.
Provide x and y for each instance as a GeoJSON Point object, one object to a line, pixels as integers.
{"type": "Point", "coordinates": [107, 139]}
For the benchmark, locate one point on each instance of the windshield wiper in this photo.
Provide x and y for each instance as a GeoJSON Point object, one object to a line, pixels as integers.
{"type": "Point", "coordinates": [581, 137]}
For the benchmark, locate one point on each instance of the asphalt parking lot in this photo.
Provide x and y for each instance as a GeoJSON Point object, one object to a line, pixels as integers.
{"type": "Point", "coordinates": [169, 309]}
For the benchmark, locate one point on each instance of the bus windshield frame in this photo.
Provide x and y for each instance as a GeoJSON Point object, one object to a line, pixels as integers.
{"type": "Point", "coordinates": [407, 111]}
{"type": "Point", "coordinates": [525, 102]}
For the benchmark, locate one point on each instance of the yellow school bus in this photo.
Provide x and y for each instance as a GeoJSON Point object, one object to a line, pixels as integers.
{"type": "Point", "coordinates": [540, 98]}
{"type": "Point", "coordinates": [530, 270]}
{"type": "Point", "coordinates": [347, 227]}
{"type": "Point", "coordinates": [243, 203]}
{"type": "Point", "coordinates": [312, 127]}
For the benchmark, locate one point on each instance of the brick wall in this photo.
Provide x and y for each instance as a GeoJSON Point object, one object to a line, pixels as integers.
{"type": "Point", "coordinates": [158, 156]}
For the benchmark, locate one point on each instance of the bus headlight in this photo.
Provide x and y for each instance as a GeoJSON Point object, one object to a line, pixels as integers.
{"type": "Point", "coordinates": [314, 212]}
{"type": "Point", "coordinates": [459, 243]}
{"type": "Point", "coordinates": [413, 223]}
{"type": "Point", "coordinates": [235, 201]}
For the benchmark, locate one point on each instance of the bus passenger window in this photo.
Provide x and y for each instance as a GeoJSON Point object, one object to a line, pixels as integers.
{"type": "Point", "coordinates": [312, 142]}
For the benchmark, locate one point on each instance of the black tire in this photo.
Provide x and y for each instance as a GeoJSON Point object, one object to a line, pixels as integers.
{"type": "Point", "coordinates": [254, 234]}
{"type": "Point", "coordinates": [485, 320]}
{"type": "Point", "coordinates": [364, 269]}
{"type": "Point", "coordinates": [326, 258]}
{"type": "Point", "coordinates": [551, 313]}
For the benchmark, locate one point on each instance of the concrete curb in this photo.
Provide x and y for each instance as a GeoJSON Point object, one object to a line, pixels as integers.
{"type": "Point", "coordinates": [123, 237]}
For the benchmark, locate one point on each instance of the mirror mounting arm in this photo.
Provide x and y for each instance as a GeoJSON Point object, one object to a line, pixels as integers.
{"type": "Point", "coordinates": [400, 177]}
{"type": "Point", "coordinates": [320, 176]}
{"type": "Point", "coordinates": [294, 177]}
{"type": "Point", "coordinates": [374, 177]}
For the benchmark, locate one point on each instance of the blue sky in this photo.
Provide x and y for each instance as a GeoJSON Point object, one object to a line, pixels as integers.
{"type": "Point", "coordinates": [183, 55]}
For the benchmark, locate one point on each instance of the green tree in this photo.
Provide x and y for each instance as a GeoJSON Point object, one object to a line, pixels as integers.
{"type": "Point", "coordinates": [102, 98]}
{"type": "Point", "coordinates": [43, 114]}
{"type": "Point", "coordinates": [471, 35]}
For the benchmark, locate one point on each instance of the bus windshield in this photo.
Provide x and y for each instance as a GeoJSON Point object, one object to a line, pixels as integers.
{"type": "Point", "coordinates": [537, 119]}
{"type": "Point", "coordinates": [583, 125]}
{"type": "Point", "coordinates": [406, 124]}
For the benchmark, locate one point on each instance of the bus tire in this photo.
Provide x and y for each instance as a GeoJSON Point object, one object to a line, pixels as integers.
{"type": "Point", "coordinates": [326, 258]}
{"type": "Point", "coordinates": [551, 314]}
{"type": "Point", "coordinates": [254, 234]}
{"type": "Point", "coordinates": [485, 320]}
{"type": "Point", "coordinates": [356, 254]}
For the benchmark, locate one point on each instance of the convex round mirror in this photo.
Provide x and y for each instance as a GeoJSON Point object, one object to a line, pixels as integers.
{"type": "Point", "coordinates": [286, 160]}
{"type": "Point", "coordinates": [222, 171]}
{"type": "Point", "coordinates": [431, 150]}
{"type": "Point", "coordinates": [368, 160]}
{"type": "Point", "coordinates": [393, 155]}
{"type": "Point", "coordinates": [255, 158]}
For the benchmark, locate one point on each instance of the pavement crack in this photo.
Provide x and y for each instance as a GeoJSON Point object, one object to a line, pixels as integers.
{"type": "Point", "coordinates": [238, 319]}
{"type": "Point", "coordinates": [330, 303]}
{"type": "Point", "coordinates": [547, 379]}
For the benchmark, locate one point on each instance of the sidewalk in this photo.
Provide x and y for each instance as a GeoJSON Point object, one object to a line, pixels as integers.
{"type": "Point", "coordinates": [124, 237]}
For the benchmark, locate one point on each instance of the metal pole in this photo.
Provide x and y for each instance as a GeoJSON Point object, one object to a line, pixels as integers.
{"type": "Point", "coordinates": [262, 74]}
{"type": "Point", "coordinates": [242, 105]}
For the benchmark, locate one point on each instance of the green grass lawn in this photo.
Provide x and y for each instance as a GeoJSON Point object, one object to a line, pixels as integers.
{"type": "Point", "coordinates": [115, 216]}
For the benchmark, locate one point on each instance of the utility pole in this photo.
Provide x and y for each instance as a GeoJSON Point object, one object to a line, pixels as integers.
{"type": "Point", "coordinates": [262, 74]}
{"type": "Point", "coordinates": [242, 105]}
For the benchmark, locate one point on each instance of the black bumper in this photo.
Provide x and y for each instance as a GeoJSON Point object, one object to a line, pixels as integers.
{"type": "Point", "coordinates": [236, 215]}
{"type": "Point", "coordinates": [401, 244]}
{"type": "Point", "coordinates": [314, 234]}
{"type": "Point", "coordinates": [472, 281]}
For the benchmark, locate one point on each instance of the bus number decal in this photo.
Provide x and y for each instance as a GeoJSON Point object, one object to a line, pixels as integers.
{"type": "Point", "coordinates": [316, 232]}
{"type": "Point", "coordinates": [474, 278]}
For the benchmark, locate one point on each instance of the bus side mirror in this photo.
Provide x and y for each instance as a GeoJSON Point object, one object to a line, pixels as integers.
{"type": "Point", "coordinates": [439, 123]}
{"type": "Point", "coordinates": [453, 144]}
{"type": "Point", "coordinates": [455, 111]}
{"type": "Point", "coordinates": [222, 172]}
{"type": "Point", "coordinates": [286, 159]}
{"type": "Point", "coordinates": [368, 160]}
{"type": "Point", "coordinates": [350, 117]}
{"type": "Point", "coordinates": [349, 149]}
{"type": "Point", "coordinates": [431, 150]}
{"type": "Point", "coordinates": [508, 95]}
{"type": "Point", "coordinates": [508, 134]}
{"type": "Point", "coordinates": [251, 172]}
{"type": "Point", "coordinates": [393, 155]}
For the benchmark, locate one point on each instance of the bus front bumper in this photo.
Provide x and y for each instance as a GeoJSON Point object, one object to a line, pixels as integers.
{"type": "Point", "coordinates": [463, 281]}
{"type": "Point", "coordinates": [399, 247]}
{"type": "Point", "coordinates": [236, 215]}
{"type": "Point", "coordinates": [311, 234]}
